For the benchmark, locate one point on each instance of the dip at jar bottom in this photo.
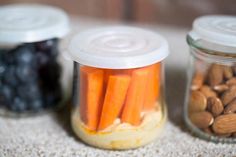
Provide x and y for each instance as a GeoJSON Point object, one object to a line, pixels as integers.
{"type": "Point", "coordinates": [123, 135]}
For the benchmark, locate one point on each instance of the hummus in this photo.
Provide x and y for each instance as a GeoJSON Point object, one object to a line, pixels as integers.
{"type": "Point", "coordinates": [122, 135]}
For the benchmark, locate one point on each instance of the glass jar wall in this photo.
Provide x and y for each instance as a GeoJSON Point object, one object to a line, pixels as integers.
{"type": "Point", "coordinates": [30, 73]}
{"type": "Point", "coordinates": [211, 91]}
{"type": "Point", "coordinates": [117, 106]}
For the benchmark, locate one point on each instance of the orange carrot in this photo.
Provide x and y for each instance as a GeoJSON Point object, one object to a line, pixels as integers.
{"type": "Point", "coordinates": [91, 93]}
{"type": "Point", "coordinates": [153, 87]}
{"type": "Point", "coordinates": [135, 97]}
{"type": "Point", "coordinates": [114, 99]}
{"type": "Point", "coordinates": [158, 80]}
{"type": "Point", "coordinates": [109, 72]}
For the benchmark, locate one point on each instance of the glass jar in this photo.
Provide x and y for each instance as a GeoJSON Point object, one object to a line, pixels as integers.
{"type": "Point", "coordinates": [118, 89]}
{"type": "Point", "coordinates": [30, 73]}
{"type": "Point", "coordinates": [210, 107]}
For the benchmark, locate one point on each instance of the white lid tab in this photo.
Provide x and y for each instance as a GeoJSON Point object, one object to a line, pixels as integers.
{"type": "Point", "coordinates": [31, 23]}
{"type": "Point", "coordinates": [118, 47]}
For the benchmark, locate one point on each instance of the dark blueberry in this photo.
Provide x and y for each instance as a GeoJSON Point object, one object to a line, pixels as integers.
{"type": "Point", "coordinates": [30, 46]}
{"type": "Point", "coordinates": [52, 97]}
{"type": "Point", "coordinates": [9, 57]}
{"type": "Point", "coordinates": [3, 101]}
{"type": "Point", "coordinates": [47, 51]}
{"type": "Point", "coordinates": [55, 70]}
{"type": "Point", "coordinates": [6, 94]}
{"type": "Point", "coordinates": [58, 93]}
{"type": "Point", "coordinates": [49, 99]}
{"type": "Point", "coordinates": [2, 69]}
{"type": "Point", "coordinates": [26, 73]}
{"type": "Point", "coordinates": [29, 91]}
{"type": "Point", "coordinates": [2, 98]}
{"type": "Point", "coordinates": [53, 53]}
{"type": "Point", "coordinates": [3, 51]}
{"type": "Point", "coordinates": [47, 45]}
{"type": "Point", "coordinates": [36, 104]}
{"type": "Point", "coordinates": [42, 58]}
{"type": "Point", "coordinates": [25, 55]}
{"type": "Point", "coordinates": [49, 48]}
{"type": "Point", "coordinates": [18, 105]}
{"type": "Point", "coordinates": [50, 73]}
{"type": "Point", "coordinates": [9, 76]}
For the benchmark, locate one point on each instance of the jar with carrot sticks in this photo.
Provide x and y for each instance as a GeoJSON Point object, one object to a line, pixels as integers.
{"type": "Point", "coordinates": [118, 90]}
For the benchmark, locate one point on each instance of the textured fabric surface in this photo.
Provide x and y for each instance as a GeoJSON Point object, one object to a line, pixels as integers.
{"type": "Point", "coordinates": [50, 134]}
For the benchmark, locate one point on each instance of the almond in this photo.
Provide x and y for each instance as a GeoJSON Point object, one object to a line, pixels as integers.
{"type": "Point", "coordinates": [227, 72]}
{"type": "Point", "coordinates": [198, 102]}
{"type": "Point", "coordinates": [225, 124]}
{"type": "Point", "coordinates": [234, 69]}
{"type": "Point", "coordinates": [202, 119]}
{"type": "Point", "coordinates": [221, 88]}
{"type": "Point", "coordinates": [224, 135]}
{"type": "Point", "coordinates": [208, 131]}
{"type": "Point", "coordinates": [228, 95]}
{"type": "Point", "coordinates": [197, 81]}
{"type": "Point", "coordinates": [207, 91]}
{"type": "Point", "coordinates": [215, 75]}
{"type": "Point", "coordinates": [231, 81]}
{"type": "Point", "coordinates": [215, 106]}
{"type": "Point", "coordinates": [231, 107]}
{"type": "Point", "coordinates": [234, 134]}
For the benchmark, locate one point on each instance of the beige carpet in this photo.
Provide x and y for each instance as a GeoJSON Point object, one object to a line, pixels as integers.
{"type": "Point", "coordinates": [49, 136]}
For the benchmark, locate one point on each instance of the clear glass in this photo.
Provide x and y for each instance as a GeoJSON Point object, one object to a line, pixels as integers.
{"type": "Point", "coordinates": [30, 78]}
{"type": "Point", "coordinates": [118, 108]}
{"type": "Point", "coordinates": [210, 104]}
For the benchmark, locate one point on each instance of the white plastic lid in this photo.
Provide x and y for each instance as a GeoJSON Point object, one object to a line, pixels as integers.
{"type": "Point", "coordinates": [215, 29]}
{"type": "Point", "coordinates": [31, 22]}
{"type": "Point", "coordinates": [118, 47]}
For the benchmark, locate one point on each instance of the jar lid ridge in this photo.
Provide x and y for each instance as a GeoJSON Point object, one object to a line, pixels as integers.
{"type": "Point", "coordinates": [118, 47]}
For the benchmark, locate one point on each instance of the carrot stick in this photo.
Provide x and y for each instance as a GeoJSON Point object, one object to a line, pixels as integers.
{"type": "Point", "coordinates": [135, 97]}
{"type": "Point", "coordinates": [91, 93]}
{"type": "Point", "coordinates": [114, 99]}
{"type": "Point", "coordinates": [109, 72]}
{"type": "Point", "coordinates": [153, 87]}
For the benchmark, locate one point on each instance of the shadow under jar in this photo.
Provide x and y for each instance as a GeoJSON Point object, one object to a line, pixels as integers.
{"type": "Point", "coordinates": [210, 107]}
{"type": "Point", "coordinates": [118, 86]}
{"type": "Point", "coordinates": [30, 73]}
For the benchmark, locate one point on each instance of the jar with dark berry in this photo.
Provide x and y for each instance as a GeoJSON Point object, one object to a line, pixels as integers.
{"type": "Point", "coordinates": [30, 71]}
{"type": "Point", "coordinates": [210, 107]}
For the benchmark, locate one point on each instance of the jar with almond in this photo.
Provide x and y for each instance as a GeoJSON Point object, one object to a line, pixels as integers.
{"type": "Point", "coordinates": [210, 104]}
{"type": "Point", "coordinates": [118, 86]}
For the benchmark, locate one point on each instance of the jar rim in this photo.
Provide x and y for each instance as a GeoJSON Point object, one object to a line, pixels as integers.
{"type": "Point", "coordinates": [213, 51]}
